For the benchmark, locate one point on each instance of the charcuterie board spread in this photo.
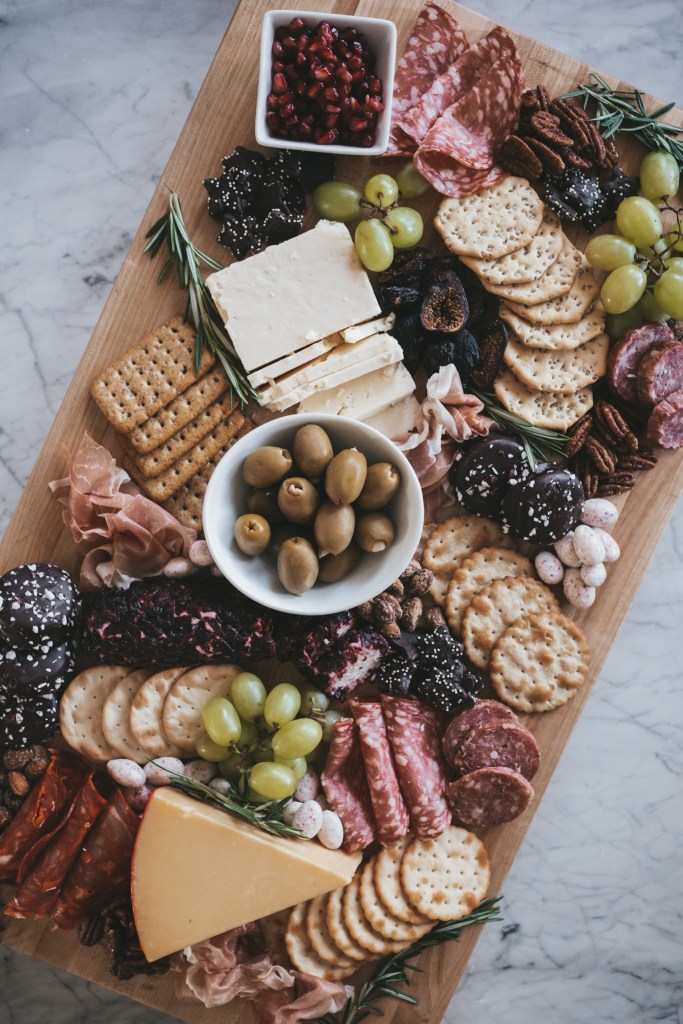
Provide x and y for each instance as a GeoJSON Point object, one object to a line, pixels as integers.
{"type": "Point", "coordinates": [339, 526]}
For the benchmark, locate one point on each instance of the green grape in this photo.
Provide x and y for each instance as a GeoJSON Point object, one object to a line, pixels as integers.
{"type": "Point", "coordinates": [618, 325]}
{"type": "Point", "coordinates": [406, 227]}
{"type": "Point", "coordinates": [672, 238]}
{"type": "Point", "coordinates": [297, 739]}
{"type": "Point", "coordinates": [649, 309]}
{"type": "Point", "coordinates": [264, 750]}
{"type": "Point", "coordinates": [256, 798]}
{"type": "Point", "coordinates": [382, 190]}
{"type": "Point", "coordinates": [623, 288]}
{"type": "Point", "coordinates": [337, 200]}
{"type": "Point", "coordinates": [313, 700]}
{"type": "Point", "coordinates": [282, 704]}
{"type": "Point", "coordinates": [373, 244]}
{"type": "Point", "coordinates": [659, 176]}
{"type": "Point", "coordinates": [328, 724]}
{"type": "Point", "coordinates": [675, 263]}
{"type": "Point", "coordinates": [297, 764]}
{"type": "Point", "coordinates": [248, 695]}
{"type": "Point", "coordinates": [669, 293]}
{"type": "Point", "coordinates": [230, 766]}
{"type": "Point", "coordinates": [273, 781]}
{"type": "Point", "coordinates": [410, 182]}
{"type": "Point", "coordinates": [607, 252]}
{"type": "Point", "coordinates": [221, 721]}
{"type": "Point", "coordinates": [248, 735]}
{"type": "Point", "coordinates": [639, 220]}
{"type": "Point", "coordinates": [209, 750]}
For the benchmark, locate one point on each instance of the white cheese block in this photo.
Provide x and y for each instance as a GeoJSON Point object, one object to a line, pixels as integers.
{"type": "Point", "coordinates": [354, 334]}
{"type": "Point", "coordinates": [269, 374]}
{"type": "Point", "coordinates": [367, 396]}
{"type": "Point", "coordinates": [293, 294]}
{"type": "Point", "coordinates": [345, 376]}
{"type": "Point", "coordinates": [396, 419]}
{"type": "Point", "coordinates": [344, 356]}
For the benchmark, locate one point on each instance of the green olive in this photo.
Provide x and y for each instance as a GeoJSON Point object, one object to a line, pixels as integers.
{"type": "Point", "coordinates": [298, 499]}
{"type": "Point", "coordinates": [285, 531]}
{"type": "Point", "coordinates": [252, 534]}
{"type": "Point", "coordinates": [312, 450]}
{"type": "Point", "coordinates": [345, 476]}
{"type": "Point", "coordinates": [297, 565]}
{"type": "Point", "coordinates": [333, 528]}
{"type": "Point", "coordinates": [336, 567]}
{"type": "Point", "coordinates": [374, 532]}
{"type": "Point", "coordinates": [266, 466]}
{"type": "Point", "coordinates": [264, 503]}
{"type": "Point", "coordinates": [381, 484]}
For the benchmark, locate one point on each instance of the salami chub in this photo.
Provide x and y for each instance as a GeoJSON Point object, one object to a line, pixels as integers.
{"type": "Point", "coordinates": [346, 788]}
{"type": "Point", "coordinates": [390, 810]}
{"type": "Point", "coordinates": [499, 744]}
{"type": "Point", "coordinates": [489, 796]}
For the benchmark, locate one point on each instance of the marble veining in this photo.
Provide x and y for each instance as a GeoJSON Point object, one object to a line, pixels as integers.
{"type": "Point", "coordinates": [94, 94]}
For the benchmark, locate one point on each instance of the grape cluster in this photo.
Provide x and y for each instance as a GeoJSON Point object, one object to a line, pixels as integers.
{"type": "Point", "coordinates": [388, 226]}
{"type": "Point", "coordinates": [262, 739]}
{"type": "Point", "coordinates": [645, 279]}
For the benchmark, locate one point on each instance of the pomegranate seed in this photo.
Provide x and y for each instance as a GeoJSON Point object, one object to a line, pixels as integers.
{"type": "Point", "coordinates": [272, 102]}
{"type": "Point", "coordinates": [292, 73]}
{"type": "Point", "coordinates": [316, 46]}
{"type": "Point", "coordinates": [301, 60]}
{"type": "Point", "coordinates": [322, 75]}
{"type": "Point", "coordinates": [272, 120]}
{"type": "Point", "coordinates": [354, 105]}
{"type": "Point", "coordinates": [326, 53]}
{"type": "Point", "coordinates": [331, 120]}
{"type": "Point", "coordinates": [374, 85]}
{"type": "Point", "coordinates": [343, 74]}
{"type": "Point", "coordinates": [331, 94]}
{"type": "Point", "coordinates": [296, 25]}
{"type": "Point", "coordinates": [289, 43]}
{"type": "Point", "coordinates": [308, 119]}
{"type": "Point", "coordinates": [280, 33]}
{"type": "Point", "coordinates": [358, 124]}
{"type": "Point", "coordinates": [286, 97]}
{"type": "Point", "coordinates": [277, 49]}
{"type": "Point", "coordinates": [287, 110]}
{"type": "Point", "coordinates": [327, 138]}
{"type": "Point", "coordinates": [280, 84]}
{"type": "Point", "coordinates": [366, 140]}
{"type": "Point", "coordinates": [354, 64]}
{"type": "Point", "coordinates": [349, 34]}
{"type": "Point", "coordinates": [300, 88]}
{"type": "Point", "coordinates": [292, 121]}
{"type": "Point", "coordinates": [357, 76]}
{"type": "Point", "coordinates": [314, 90]}
{"type": "Point", "coordinates": [345, 88]}
{"type": "Point", "coordinates": [332, 108]}
{"type": "Point", "coordinates": [278, 67]}
{"type": "Point", "coordinates": [305, 130]}
{"type": "Point", "coordinates": [373, 105]}
{"type": "Point", "coordinates": [302, 43]}
{"type": "Point", "coordinates": [342, 48]}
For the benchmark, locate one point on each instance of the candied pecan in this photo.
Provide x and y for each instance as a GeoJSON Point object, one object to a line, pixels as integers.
{"type": "Point", "coordinates": [570, 156]}
{"type": "Point", "coordinates": [420, 583]}
{"type": "Point", "coordinates": [598, 146]}
{"type": "Point", "coordinates": [16, 759]}
{"type": "Point", "coordinates": [579, 435]}
{"type": "Point", "coordinates": [530, 101]}
{"type": "Point", "coordinates": [543, 97]}
{"type": "Point", "coordinates": [91, 930]}
{"type": "Point", "coordinates": [549, 157]}
{"type": "Point", "coordinates": [578, 132]}
{"type": "Point", "coordinates": [412, 567]}
{"type": "Point", "coordinates": [396, 589]}
{"type": "Point", "coordinates": [392, 630]}
{"type": "Point", "coordinates": [385, 609]}
{"type": "Point", "coordinates": [636, 461]}
{"type": "Point", "coordinates": [434, 619]}
{"type": "Point", "coordinates": [568, 109]}
{"type": "Point", "coordinates": [612, 152]}
{"type": "Point", "coordinates": [547, 127]}
{"type": "Point", "coordinates": [12, 802]}
{"type": "Point", "coordinates": [590, 481]}
{"type": "Point", "coordinates": [602, 457]}
{"type": "Point", "coordinates": [516, 156]}
{"type": "Point", "coordinates": [608, 490]}
{"type": "Point", "coordinates": [365, 611]}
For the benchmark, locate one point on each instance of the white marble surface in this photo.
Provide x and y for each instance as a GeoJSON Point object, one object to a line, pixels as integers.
{"type": "Point", "coordinates": [94, 93]}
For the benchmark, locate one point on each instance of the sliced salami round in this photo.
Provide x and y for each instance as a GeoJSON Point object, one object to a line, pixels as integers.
{"type": "Point", "coordinates": [624, 358]}
{"type": "Point", "coordinates": [497, 744]}
{"type": "Point", "coordinates": [660, 372]}
{"type": "Point", "coordinates": [665, 426]}
{"type": "Point", "coordinates": [489, 796]}
{"type": "Point", "coordinates": [345, 786]}
{"type": "Point", "coordinates": [390, 810]}
{"type": "Point", "coordinates": [462, 724]}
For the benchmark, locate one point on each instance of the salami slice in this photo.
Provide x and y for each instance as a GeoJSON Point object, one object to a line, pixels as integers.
{"type": "Point", "coordinates": [388, 805]}
{"type": "Point", "coordinates": [346, 788]}
{"type": "Point", "coordinates": [41, 886]}
{"type": "Point", "coordinates": [435, 43]}
{"type": "Point", "coordinates": [101, 872]}
{"type": "Point", "coordinates": [42, 811]}
{"type": "Point", "coordinates": [415, 736]}
{"type": "Point", "coordinates": [624, 358]}
{"type": "Point", "coordinates": [489, 796]}
{"type": "Point", "coordinates": [499, 745]}
{"type": "Point", "coordinates": [451, 178]}
{"type": "Point", "coordinates": [665, 426]}
{"type": "Point", "coordinates": [660, 372]}
{"type": "Point", "coordinates": [458, 79]}
{"type": "Point", "coordinates": [462, 724]}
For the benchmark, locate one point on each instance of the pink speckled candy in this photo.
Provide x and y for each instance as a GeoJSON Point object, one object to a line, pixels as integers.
{"type": "Point", "coordinates": [593, 575]}
{"type": "Point", "coordinates": [155, 770]}
{"type": "Point", "coordinates": [199, 554]}
{"type": "Point", "coordinates": [588, 546]}
{"type": "Point", "coordinates": [331, 832]}
{"type": "Point", "coordinates": [201, 771]}
{"type": "Point", "coordinates": [612, 551]}
{"type": "Point", "coordinates": [576, 591]}
{"type": "Point", "coordinates": [138, 797]}
{"type": "Point", "coordinates": [308, 786]}
{"type": "Point", "coordinates": [599, 512]}
{"type": "Point", "coordinates": [564, 549]}
{"type": "Point", "coordinates": [289, 810]}
{"type": "Point", "coordinates": [549, 568]}
{"type": "Point", "coordinates": [126, 772]}
{"type": "Point", "coordinates": [221, 786]}
{"type": "Point", "coordinates": [178, 568]}
{"type": "Point", "coordinates": [308, 819]}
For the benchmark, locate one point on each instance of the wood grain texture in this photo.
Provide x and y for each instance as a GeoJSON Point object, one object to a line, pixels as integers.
{"type": "Point", "coordinates": [221, 118]}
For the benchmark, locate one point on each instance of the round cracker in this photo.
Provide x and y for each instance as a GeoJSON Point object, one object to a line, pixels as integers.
{"type": "Point", "coordinates": [539, 662]}
{"type": "Point", "coordinates": [319, 934]}
{"type": "Point", "coordinates": [568, 308]}
{"type": "Point", "coordinates": [447, 877]}
{"type": "Point", "coordinates": [493, 222]}
{"type": "Point", "coordinates": [381, 919]}
{"type": "Point", "coordinates": [388, 883]}
{"type": "Point", "coordinates": [542, 409]}
{"type": "Point", "coordinates": [554, 282]}
{"type": "Point", "coordinates": [564, 371]}
{"type": "Point", "coordinates": [496, 607]}
{"type": "Point", "coordinates": [358, 925]}
{"type": "Point", "coordinates": [146, 714]}
{"type": "Point", "coordinates": [527, 263]}
{"type": "Point", "coordinates": [116, 716]}
{"type": "Point", "coordinates": [183, 708]}
{"type": "Point", "coordinates": [80, 710]}
{"type": "Point", "coordinates": [556, 337]}
{"type": "Point", "coordinates": [301, 952]}
{"type": "Point", "coordinates": [475, 573]}
{"type": "Point", "coordinates": [339, 933]}
{"type": "Point", "coordinates": [453, 541]}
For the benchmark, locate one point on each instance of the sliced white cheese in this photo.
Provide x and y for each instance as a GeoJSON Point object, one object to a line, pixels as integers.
{"type": "Point", "coordinates": [367, 396]}
{"type": "Point", "coordinates": [269, 374]}
{"type": "Point", "coordinates": [293, 294]}
{"type": "Point", "coordinates": [390, 353]}
{"type": "Point", "coordinates": [396, 419]}
{"type": "Point", "coordinates": [354, 334]}
{"type": "Point", "coordinates": [324, 366]}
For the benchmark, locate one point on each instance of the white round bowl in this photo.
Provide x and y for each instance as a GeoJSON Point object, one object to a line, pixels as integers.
{"type": "Point", "coordinates": [225, 501]}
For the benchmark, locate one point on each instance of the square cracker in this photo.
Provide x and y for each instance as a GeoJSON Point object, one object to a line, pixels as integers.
{"type": "Point", "coordinates": [178, 413]}
{"type": "Point", "coordinates": [150, 375]}
{"type": "Point", "coordinates": [527, 263]}
{"type": "Point", "coordinates": [541, 408]}
{"type": "Point", "coordinates": [493, 222]}
{"type": "Point", "coordinates": [187, 503]}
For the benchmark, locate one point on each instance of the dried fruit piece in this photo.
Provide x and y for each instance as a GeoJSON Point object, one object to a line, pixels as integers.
{"type": "Point", "coordinates": [461, 350]}
{"type": "Point", "coordinates": [445, 307]}
{"type": "Point", "coordinates": [492, 344]}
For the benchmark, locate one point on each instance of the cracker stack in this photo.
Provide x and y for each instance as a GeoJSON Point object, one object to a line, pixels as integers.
{"type": "Point", "coordinates": [557, 347]}
{"type": "Point", "coordinates": [175, 423]}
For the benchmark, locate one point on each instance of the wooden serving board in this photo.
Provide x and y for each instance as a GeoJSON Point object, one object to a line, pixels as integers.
{"type": "Point", "coordinates": [221, 118]}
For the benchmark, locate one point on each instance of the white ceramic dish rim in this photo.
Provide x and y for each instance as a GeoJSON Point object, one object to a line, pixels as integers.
{"type": "Point", "coordinates": [322, 597]}
{"type": "Point", "coordinates": [272, 20]}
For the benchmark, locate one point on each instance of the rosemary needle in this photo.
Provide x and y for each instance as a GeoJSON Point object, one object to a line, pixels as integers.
{"type": "Point", "coordinates": [538, 442]}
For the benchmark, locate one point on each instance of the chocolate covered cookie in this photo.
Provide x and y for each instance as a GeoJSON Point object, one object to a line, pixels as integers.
{"type": "Point", "coordinates": [37, 600]}
{"type": "Point", "coordinates": [486, 470]}
{"type": "Point", "coordinates": [546, 507]}
{"type": "Point", "coordinates": [27, 716]}
{"type": "Point", "coordinates": [44, 667]}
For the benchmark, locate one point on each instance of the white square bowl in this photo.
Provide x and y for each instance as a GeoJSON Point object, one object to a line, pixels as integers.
{"type": "Point", "coordinates": [381, 36]}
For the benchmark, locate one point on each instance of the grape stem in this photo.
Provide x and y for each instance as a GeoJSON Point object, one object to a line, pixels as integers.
{"type": "Point", "coordinates": [379, 212]}
{"type": "Point", "coordinates": [647, 263]}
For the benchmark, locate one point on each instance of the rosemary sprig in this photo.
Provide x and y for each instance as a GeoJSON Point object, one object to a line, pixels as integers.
{"type": "Point", "coordinates": [539, 442]}
{"type": "Point", "coordinates": [267, 816]}
{"type": "Point", "coordinates": [623, 110]}
{"type": "Point", "coordinates": [170, 231]}
{"type": "Point", "coordinates": [393, 970]}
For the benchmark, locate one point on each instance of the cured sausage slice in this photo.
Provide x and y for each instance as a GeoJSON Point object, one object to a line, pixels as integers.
{"type": "Point", "coordinates": [435, 43]}
{"type": "Point", "coordinates": [623, 360]}
{"type": "Point", "coordinates": [101, 872]}
{"type": "Point", "coordinates": [390, 810]}
{"type": "Point", "coordinates": [499, 745]}
{"type": "Point", "coordinates": [462, 724]}
{"type": "Point", "coordinates": [346, 788]}
{"type": "Point", "coordinates": [415, 736]}
{"type": "Point", "coordinates": [660, 372]}
{"type": "Point", "coordinates": [665, 426]}
{"type": "Point", "coordinates": [489, 796]}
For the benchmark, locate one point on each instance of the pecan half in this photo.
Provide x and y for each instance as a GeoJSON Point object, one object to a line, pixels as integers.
{"type": "Point", "coordinates": [578, 132]}
{"type": "Point", "coordinates": [549, 157]}
{"type": "Point", "coordinates": [569, 110]}
{"type": "Point", "coordinates": [611, 420]}
{"type": "Point", "coordinates": [602, 457]}
{"type": "Point", "coordinates": [570, 156]}
{"type": "Point", "coordinates": [636, 461]}
{"type": "Point", "coordinates": [547, 128]}
{"type": "Point", "coordinates": [579, 434]}
{"type": "Point", "coordinates": [590, 481]}
{"type": "Point", "coordinates": [516, 156]}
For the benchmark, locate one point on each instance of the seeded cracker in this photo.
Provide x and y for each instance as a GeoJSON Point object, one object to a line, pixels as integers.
{"type": "Point", "coordinates": [301, 952]}
{"type": "Point", "coordinates": [360, 928]}
{"type": "Point", "coordinates": [319, 934]}
{"type": "Point", "coordinates": [557, 337]}
{"type": "Point", "coordinates": [542, 409]}
{"type": "Point", "coordinates": [116, 716]}
{"type": "Point", "coordinates": [146, 713]}
{"type": "Point", "coordinates": [80, 711]}
{"type": "Point", "coordinates": [182, 713]}
{"type": "Point", "coordinates": [569, 308]}
{"type": "Point", "coordinates": [475, 573]}
{"type": "Point", "coordinates": [339, 933]}
{"type": "Point", "coordinates": [539, 663]}
{"type": "Point", "coordinates": [492, 223]}
{"type": "Point", "coordinates": [564, 372]}
{"type": "Point", "coordinates": [527, 263]}
{"type": "Point", "coordinates": [496, 607]}
{"type": "Point", "coordinates": [381, 919]}
{"type": "Point", "coordinates": [448, 877]}
{"type": "Point", "coordinates": [554, 282]}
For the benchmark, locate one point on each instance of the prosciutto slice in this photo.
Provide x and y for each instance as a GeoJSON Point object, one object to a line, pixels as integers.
{"type": "Point", "coordinates": [345, 786]}
{"type": "Point", "coordinates": [390, 810]}
{"type": "Point", "coordinates": [311, 999]}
